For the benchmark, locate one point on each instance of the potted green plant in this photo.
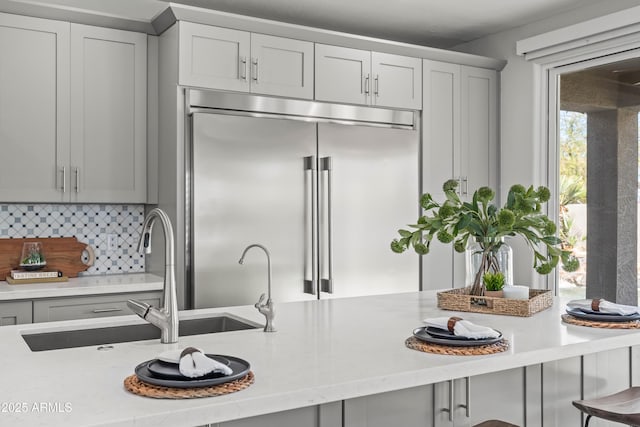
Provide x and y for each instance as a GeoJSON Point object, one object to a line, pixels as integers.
{"type": "Point", "coordinates": [493, 284]}
{"type": "Point", "coordinates": [485, 225]}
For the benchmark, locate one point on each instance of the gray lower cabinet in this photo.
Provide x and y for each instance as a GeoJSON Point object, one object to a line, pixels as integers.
{"type": "Point", "coordinates": [49, 310]}
{"type": "Point", "coordinates": [465, 402]}
{"type": "Point", "coordinates": [327, 415]}
{"type": "Point", "coordinates": [412, 407]}
{"type": "Point", "coordinates": [15, 312]}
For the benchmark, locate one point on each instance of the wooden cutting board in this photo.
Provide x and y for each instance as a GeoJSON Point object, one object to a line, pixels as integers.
{"type": "Point", "coordinates": [62, 253]}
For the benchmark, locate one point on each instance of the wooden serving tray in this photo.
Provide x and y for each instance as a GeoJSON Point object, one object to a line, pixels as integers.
{"type": "Point", "coordinates": [61, 253]}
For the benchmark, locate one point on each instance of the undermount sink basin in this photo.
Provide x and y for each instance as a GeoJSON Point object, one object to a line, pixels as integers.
{"type": "Point", "coordinates": [138, 332]}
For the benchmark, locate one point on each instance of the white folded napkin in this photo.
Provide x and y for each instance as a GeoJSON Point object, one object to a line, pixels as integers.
{"type": "Point", "coordinates": [194, 363]}
{"type": "Point", "coordinates": [605, 306]}
{"type": "Point", "coordinates": [463, 328]}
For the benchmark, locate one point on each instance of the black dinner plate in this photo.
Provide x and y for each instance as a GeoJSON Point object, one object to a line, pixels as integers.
{"type": "Point", "coordinates": [606, 317]}
{"type": "Point", "coordinates": [445, 334]}
{"type": "Point", "coordinates": [168, 370]}
{"type": "Point", "coordinates": [422, 334]}
{"type": "Point", "coordinates": [239, 367]}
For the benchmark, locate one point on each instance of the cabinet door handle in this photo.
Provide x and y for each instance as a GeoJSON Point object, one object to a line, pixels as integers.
{"type": "Point", "coordinates": [255, 76]}
{"type": "Point", "coordinates": [243, 68]}
{"type": "Point", "coordinates": [366, 85]}
{"type": "Point", "coordinates": [450, 409]}
{"type": "Point", "coordinates": [376, 88]}
{"type": "Point", "coordinates": [467, 397]}
{"type": "Point", "coordinates": [106, 310]}
{"type": "Point", "coordinates": [77, 173]}
{"type": "Point", "coordinates": [64, 179]}
{"type": "Point", "coordinates": [465, 186]}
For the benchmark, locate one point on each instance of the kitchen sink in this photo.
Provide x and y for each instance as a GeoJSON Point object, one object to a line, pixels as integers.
{"type": "Point", "coordinates": [56, 340]}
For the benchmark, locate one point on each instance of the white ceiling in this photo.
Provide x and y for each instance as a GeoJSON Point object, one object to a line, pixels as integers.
{"type": "Point", "coordinates": [437, 23]}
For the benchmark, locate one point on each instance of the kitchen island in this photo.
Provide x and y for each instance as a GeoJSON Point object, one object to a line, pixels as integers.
{"type": "Point", "coordinates": [325, 355]}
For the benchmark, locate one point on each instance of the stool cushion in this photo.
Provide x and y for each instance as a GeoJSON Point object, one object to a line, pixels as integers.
{"type": "Point", "coordinates": [622, 407]}
{"type": "Point", "coordinates": [495, 423]}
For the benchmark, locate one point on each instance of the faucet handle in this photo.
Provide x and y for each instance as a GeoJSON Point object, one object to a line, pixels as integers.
{"type": "Point", "coordinates": [261, 300]}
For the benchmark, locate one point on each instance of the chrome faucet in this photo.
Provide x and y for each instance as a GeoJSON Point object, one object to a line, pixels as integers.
{"type": "Point", "coordinates": [166, 317]}
{"type": "Point", "coordinates": [267, 308]}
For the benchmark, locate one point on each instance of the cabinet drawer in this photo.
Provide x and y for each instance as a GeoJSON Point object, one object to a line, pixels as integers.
{"type": "Point", "coordinates": [89, 307]}
{"type": "Point", "coordinates": [15, 312]}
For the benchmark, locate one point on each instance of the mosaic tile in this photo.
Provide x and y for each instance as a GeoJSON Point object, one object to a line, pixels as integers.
{"type": "Point", "coordinates": [89, 224]}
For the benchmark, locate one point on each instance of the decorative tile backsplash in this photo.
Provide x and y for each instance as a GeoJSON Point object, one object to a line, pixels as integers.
{"type": "Point", "coordinates": [96, 225]}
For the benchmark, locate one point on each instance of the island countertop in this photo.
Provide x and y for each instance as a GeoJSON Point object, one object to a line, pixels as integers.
{"type": "Point", "coordinates": [323, 351]}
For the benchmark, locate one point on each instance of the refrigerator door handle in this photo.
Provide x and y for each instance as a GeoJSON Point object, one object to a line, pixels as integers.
{"type": "Point", "coordinates": [311, 284]}
{"type": "Point", "coordinates": [326, 284]}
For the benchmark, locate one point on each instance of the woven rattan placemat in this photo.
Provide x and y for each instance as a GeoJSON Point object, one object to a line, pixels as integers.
{"type": "Point", "coordinates": [567, 318]}
{"type": "Point", "coordinates": [136, 386]}
{"type": "Point", "coordinates": [415, 344]}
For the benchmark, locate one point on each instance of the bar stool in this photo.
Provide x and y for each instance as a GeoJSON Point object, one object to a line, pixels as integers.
{"type": "Point", "coordinates": [495, 423]}
{"type": "Point", "coordinates": [622, 407]}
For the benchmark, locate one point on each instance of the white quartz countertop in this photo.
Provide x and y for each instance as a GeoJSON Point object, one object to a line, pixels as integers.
{"type": "Point", "coordinates": [323, 351]}
{"type": "Point", "coordinates": [86, 285]}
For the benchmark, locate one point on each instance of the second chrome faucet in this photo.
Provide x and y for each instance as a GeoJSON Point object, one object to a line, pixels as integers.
{"type": "Point", "coordinates": [267, 309]}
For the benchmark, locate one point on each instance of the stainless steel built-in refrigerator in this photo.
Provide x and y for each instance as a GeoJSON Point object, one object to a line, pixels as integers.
{"type": "Point", "coordinates": [324, 187]}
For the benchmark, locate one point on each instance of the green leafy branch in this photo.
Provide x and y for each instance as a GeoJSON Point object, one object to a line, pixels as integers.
{"type": "Point", "coordinates": [456, 221]}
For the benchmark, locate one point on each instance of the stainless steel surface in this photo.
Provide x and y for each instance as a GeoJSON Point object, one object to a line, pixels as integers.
{"type": "Point", "coordinates": [451, 397]}
{"type": "Point", "coordinates": [106, 310]}
{"type": "Point", "coordinates": [467, 397]}
{"type": "Point", "coordinates": [326, 284]}
{"type": "Point", "coordinates": [261, 178]}
{"type": "Point", "coordinates": [136, 332]}
{"type": "Point", "coordinates": [166, 317]}
{"type": "Point", "coordinates": [307, 110]}
{"type": "Point", "coordinates": [266, 309]}
{"type": "Point", "coordinates": [374, 190]}
{"type": "Point", "coordinates": [255, 76]}
{"type": "Point", "coordinates": [243, 67]}
{"type": "Point", "coordinates": [310, 284]}
{"type": "Point", "coordinates": [248, 183]}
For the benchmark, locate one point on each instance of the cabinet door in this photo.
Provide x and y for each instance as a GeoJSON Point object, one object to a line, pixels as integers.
{"type": "Point", "coordinates": [108, 104]}
{"type": "Point", "coordinates": [15, 312]}
{"type": "Point", "coordinates": [440, 154]}
{"type": "Point", "coordinates": [472, 400]}
{"type": "Point", "coordinates": [407, 408]}
{"type": "Point", "coordinates": [281, 66]}
{"type": "Point", "coordinates": [342, 74]}
{"type": "Point", "coordinates": [50, 310]}
{"type": "Point", "coordinates": [212, 57]}
{"type": "Point", "coordinates": [34, 108]}
{"type": "Point", "coordinates": [397, 81]}
{"type": "Point", "coordinates": [478, 155]}
{"type": "Point", "coordinates": [327, 415]}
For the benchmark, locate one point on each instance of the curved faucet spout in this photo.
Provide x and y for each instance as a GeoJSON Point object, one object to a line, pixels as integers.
{"type": "Point", "coordinates": [267, 308]}
{"type": "Point", "coordinates": [166, 317]}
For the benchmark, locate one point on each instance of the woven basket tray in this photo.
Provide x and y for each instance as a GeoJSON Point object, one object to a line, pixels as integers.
{"type": "Point", "coordinates": [460, 300]}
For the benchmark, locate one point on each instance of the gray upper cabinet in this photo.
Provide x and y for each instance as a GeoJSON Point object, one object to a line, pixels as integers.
{"type": "Point", "coordinates": [222, 58]}
{"type": "Point", "coordinates": [108, 106]}
{"type": "Point", "coordinates": [72, 112]}
{"type": "Point", "coordinates": [34, 108]}
{"type": "Point", "coordinates": [357, 76]}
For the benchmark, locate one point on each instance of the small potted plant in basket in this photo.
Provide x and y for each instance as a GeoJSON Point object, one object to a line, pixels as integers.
{"type": "Point", "coordinates": [482, 223]}
{"type": "Point", "coordinates": [493, 284]}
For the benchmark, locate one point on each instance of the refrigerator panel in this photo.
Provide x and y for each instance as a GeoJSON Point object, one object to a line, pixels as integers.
{"type": "Point", "coordinates": [250, 186]}
{"type": "Point", "coordinates": [368, 188]}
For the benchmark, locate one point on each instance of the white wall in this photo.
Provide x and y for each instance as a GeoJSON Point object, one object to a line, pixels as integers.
{"type": "Point", "coordinates": [520, 131]}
